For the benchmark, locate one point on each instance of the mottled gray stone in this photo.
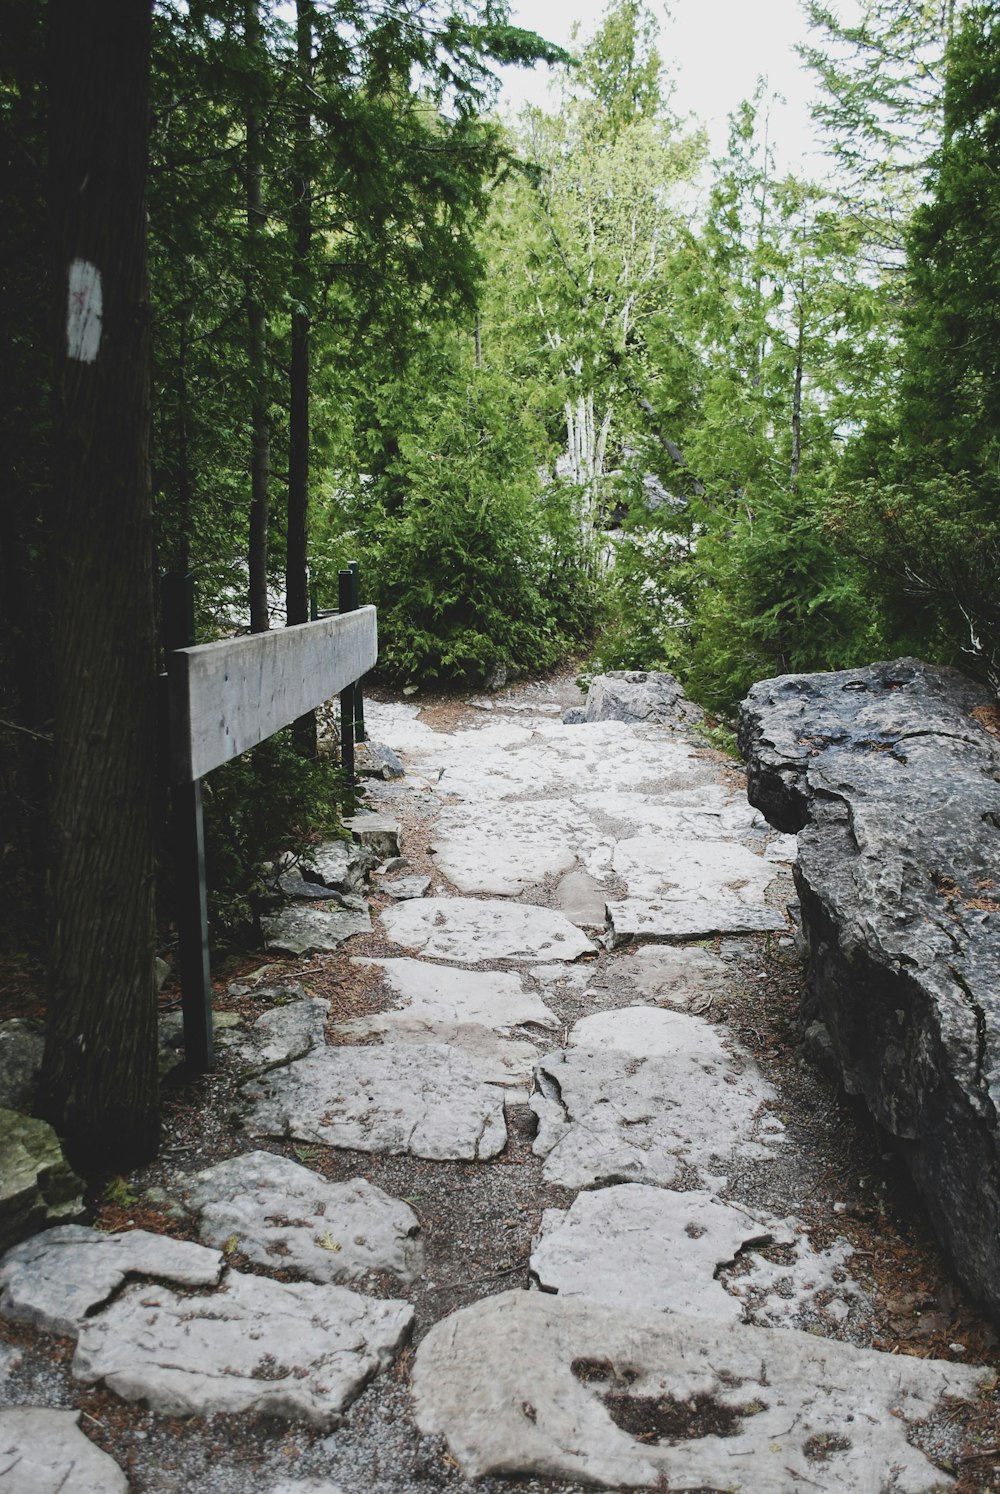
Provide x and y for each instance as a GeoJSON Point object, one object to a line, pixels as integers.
{"type": "Point", "coordinates": [21, 1048]}
{"type": "Point", "coordinates": [680, 976]}
{"type": "Point", "coordinates": [37, 1185]}
{"type": "Point", "coordinates": [650, 1249]}
{"type": "Point", "coordinates": [311, 892]}
{"type": "Point", "coordinates": [468, 930]}
{"type": "Point", "coordinates": [496, 1059]}
{"type": "Point", "coordinates": [288, 1032]}
{"type": "Point", "coordinates": [635, 921]}
{"type": "Point", "coordinates": [304, 1486]}
{"type": "Point", "coordinates": [610, 1117]}
{"type": "Point", "coordinates": [404, 888]}
{"type": "Point", "coordinates": [375, 760]}
{"type": "Point", "coordinates": [504, 866]}
{"type": "Point", "coordinates": [300, 931]}
{"type": "Point", "coordinates": [335, 864]}
{"type": "Point", "coordinates": [893, 783]}
{"type": "Point", "coordinates": [381, 836]}
{"type": "Point", "coordinates": [582, 899]}
{"type": "Point", "coordinates": [657, 866]}
{"type": "Point", "coordinates": [528, 1384]}
{"type": "Point", "coordinates": [440, 993]}
{"type": "Point", "coordinates": [640, 696]}
{"type": "Point", "coordinates": [290, 1349]}
{"type": "Point", "coordinates": [423, 1099]}
{"type": "Point", "coordinates": [44, 1452]}
{"type": "Point", "coordinates": [56, 1279]}
{"type": "Point", "coordinates": [651, 1032]}
{"type": "Point", "coordinates": [288, 1217]}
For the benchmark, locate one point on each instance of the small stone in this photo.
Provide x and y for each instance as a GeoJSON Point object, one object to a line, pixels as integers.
{"type": "Point", "coordinates": [21, 1048]}
{"type": "Point", "coordinates": [377, 833]}
{"type": "Point", "coordinates": [300, 931]}
{"type": "Point", "coordinates": [287, 1032]}
{"type": "Point", "coordinates": [404, 888]}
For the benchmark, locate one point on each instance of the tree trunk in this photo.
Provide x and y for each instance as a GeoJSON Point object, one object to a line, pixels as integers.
{"type": "Point", "coordinates": [260, 417]}
{"type": "Point", "coordinates": [297, 561]}
{"type": "Point", "coordinates": [99, 1077]}
{"type": "Point", "coordinates": [797, 397]}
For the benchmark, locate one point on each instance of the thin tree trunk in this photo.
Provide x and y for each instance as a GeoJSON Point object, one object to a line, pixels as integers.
{"type": "Point", "coordinates": [99, 1076]}
{"type": "Point", "coordinates": [797, 401]}
{"type": "Point", "coordinates": [260, 418]}
{"type": "Point", "coordinates": [297, 555]}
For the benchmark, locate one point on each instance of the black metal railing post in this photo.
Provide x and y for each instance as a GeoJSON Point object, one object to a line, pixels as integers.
{"type": "Point", "coordinates": [347, 603]}
{"type": "Point", "coordinates": [359, 695]}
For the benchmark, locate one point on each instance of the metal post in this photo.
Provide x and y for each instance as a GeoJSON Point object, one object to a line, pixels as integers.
{"type": "Point", "coordinates": [359, 698]}
{"type": "Point", "coordinates": [188, 834]}
{"type": "Point", "coordinates": [347, 604]}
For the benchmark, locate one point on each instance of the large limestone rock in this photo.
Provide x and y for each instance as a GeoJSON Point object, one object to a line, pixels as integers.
{"type": "Point", "coordinates": [650, 1249]}
{"type": "Point", "coordinates": [421, 1098]}
{"type": "Point", "coordinates": [37, 1185]}
{"type": "Point", "coordinates": [290, 1349]}
{"type": "Point", "coordinates": [44, 1452]}
{"type": "Point", "coordinates": [640, 695]}
{"type": "Point", "coordinates": [284, 1216]}
{"type": "Point", "coordinates": [893, 782]}
{"type": "Point", "coordinates": [468, 930]}
{"type": "Point", "coordinates": [57, 1279]}
{"type": "Point", "coordinates": [608, 1116]}
{"type": "Point", "coordinates": [441, 993]}
{"type": "Point", "coordinates": [528, 1384]}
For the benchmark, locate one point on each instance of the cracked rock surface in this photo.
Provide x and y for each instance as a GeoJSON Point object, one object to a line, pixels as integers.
{"type": "Point", "coordinates": [44, 1452]}
{"type": "Point", "coordinates": [288, 1349]}
{"type": "Point", "coordinates": [892, 780]}
{"type": "Point", "coordinates": [280, 1214]}
{"type": "Point", "coordinates": [423, 1098]}
{"type": "Point", "coordinates": [617, 1398]}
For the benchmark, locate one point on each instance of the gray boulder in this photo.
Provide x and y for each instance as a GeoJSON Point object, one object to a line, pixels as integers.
{"type": "Point", "coordinates": [37, 1185]}
{"type": "Point", "coordinates": [891, 775]}
{"type": "Point", "coordinates": [640, 696]}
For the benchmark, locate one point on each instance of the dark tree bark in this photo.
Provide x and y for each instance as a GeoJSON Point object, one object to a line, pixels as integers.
{"type": "Point", "coordinates": [297, 561]}
{"type": "Point", "coordinates": [297, 553]}
{"type": "Point", "coordinates": [260, 415]}
{"type": "Point", "coordinates": [99, 1078]}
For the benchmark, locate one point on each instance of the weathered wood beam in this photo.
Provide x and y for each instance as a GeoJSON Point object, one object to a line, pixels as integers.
{"type": "Point", "coordinates": [226, 697]}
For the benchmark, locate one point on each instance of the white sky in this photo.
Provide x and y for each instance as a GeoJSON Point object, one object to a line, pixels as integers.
{"type": "Point", "coordinates": [715, 49]}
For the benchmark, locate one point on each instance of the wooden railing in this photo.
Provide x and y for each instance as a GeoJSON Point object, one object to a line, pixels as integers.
{"type": "Point", "coordinates": [222, 699]}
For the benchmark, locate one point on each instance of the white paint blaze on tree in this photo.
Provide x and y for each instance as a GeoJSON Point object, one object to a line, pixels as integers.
{"type": "Point", "coordinates": [84, 311]}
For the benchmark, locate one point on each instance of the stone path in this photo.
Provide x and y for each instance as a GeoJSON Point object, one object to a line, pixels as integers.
{"type": "Point", "coordinates": [545, 1023]}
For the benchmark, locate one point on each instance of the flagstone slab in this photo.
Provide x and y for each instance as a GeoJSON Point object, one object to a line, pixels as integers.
{"type": "Point", "coordinates": [680, 976]}
{"type": "Point", "coordinates": [423, 1099]}
{"type": "Point", "coordinates": [610, 1117]}
{"type": "Point", "coordinates": [44, 1452]}
{"type": "Point", "coordinates": [495, 998]}
{"type": "Point", "coordinates": [468, 930]}
{"type": "Point", "coordinates": [672, 921]}
{"type": "Point", "coordinates": [56, 1279]}
{"type": "Point", "coordinates": [528, 1384]}
{"type": "Point", "coordinates": [651, 1032]}
{"type": "Point", "coordinates": [300, 931]}
{"type": "Point", "coordinates": [290, 1349]}
{"type": "Point", "coordinates": [282, 1215]}
{"type": "Point", "coordinates": [496, 1059]}
{"type": "Point", "coordinates": [686, 869]}
{"type": "Point", "coordinates": [404, 888]}
{"type": "Point", "coordinates": [651, 1249]}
